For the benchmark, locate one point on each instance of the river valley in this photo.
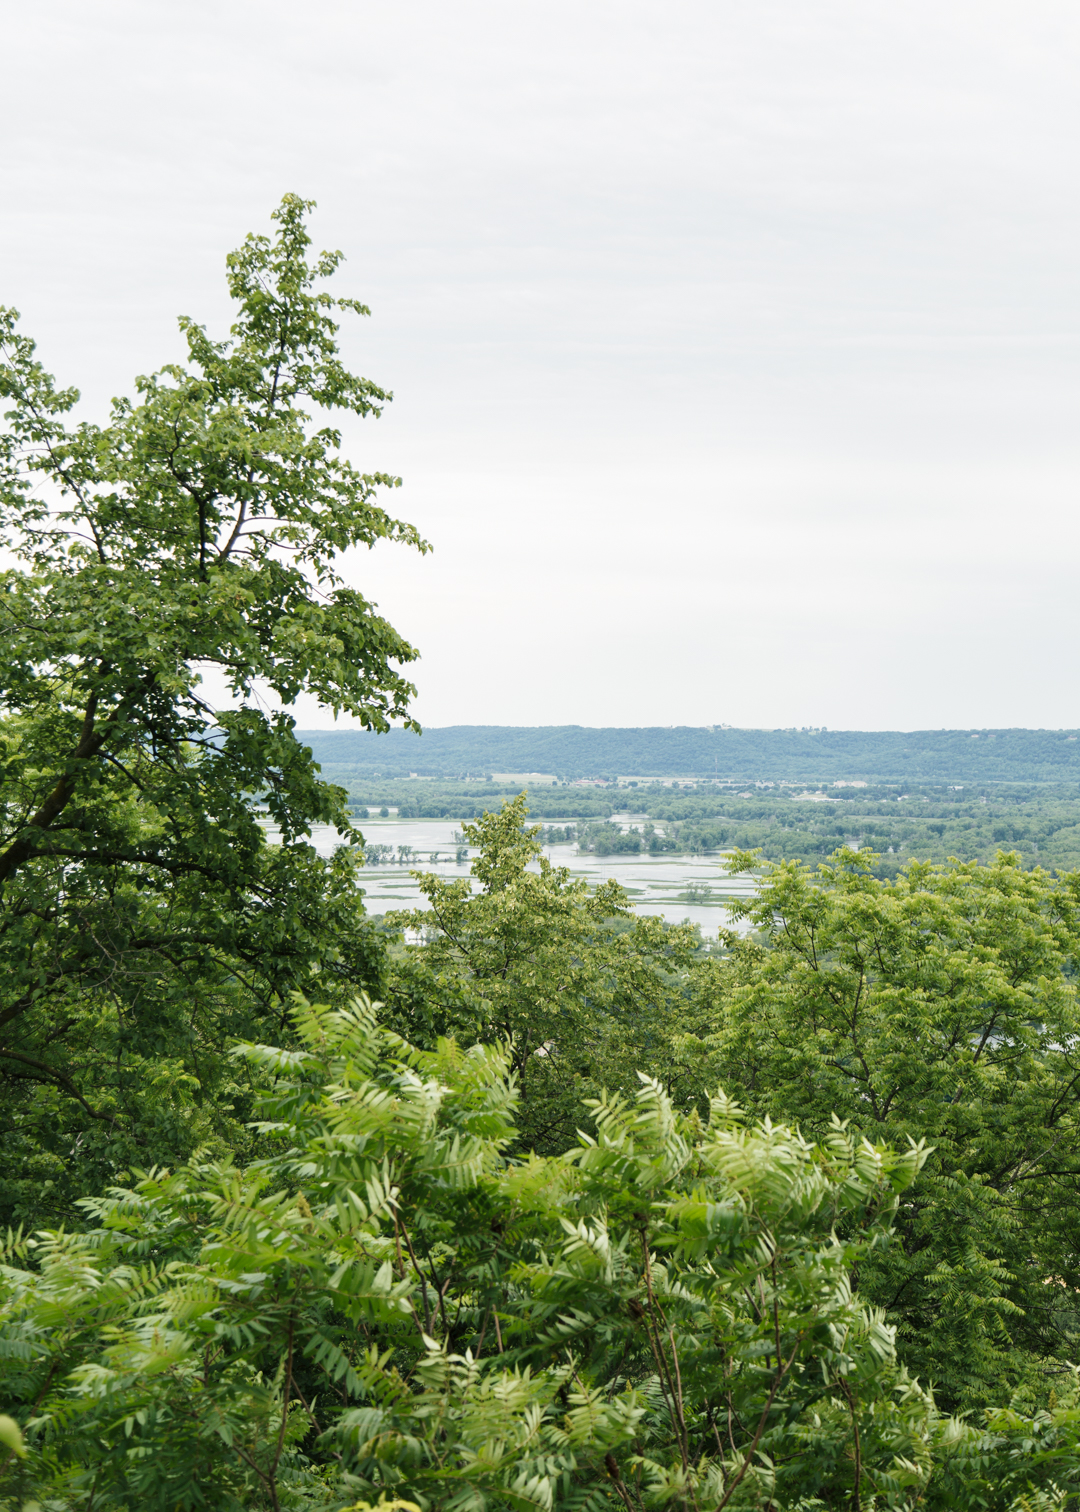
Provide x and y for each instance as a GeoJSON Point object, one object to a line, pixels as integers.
{"type": "Point", "coordinates": [677, 886]}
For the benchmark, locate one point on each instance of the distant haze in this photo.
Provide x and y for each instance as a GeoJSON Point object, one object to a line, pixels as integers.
{"type": "Point", "coordinates": [735, 346]}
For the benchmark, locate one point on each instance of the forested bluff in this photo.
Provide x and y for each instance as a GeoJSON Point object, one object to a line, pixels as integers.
{"type": "Point", "coordinates": [571, 752]}
{"type": "Point", "coordinates": [516, 1200]}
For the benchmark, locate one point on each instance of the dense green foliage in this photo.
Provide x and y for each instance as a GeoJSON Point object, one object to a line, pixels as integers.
{"type": "Point", "coordinates": [545, 1207]}
{"type": "Point", "coordinates": [144, 921]}
{"type": "Point", "coordinates": [386, 1309]}
{"type": "Point", "coordinates": [941, 1006]}
{"type": "Point", "coordinates": [582, 991]}
{"type": "Point", "coordinates": [574, 751]}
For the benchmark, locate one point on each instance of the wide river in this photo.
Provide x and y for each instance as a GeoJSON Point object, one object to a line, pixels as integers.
{"type": "Point", "coordinates": [678, 887]}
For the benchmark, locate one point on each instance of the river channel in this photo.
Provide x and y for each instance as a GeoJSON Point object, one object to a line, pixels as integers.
{"type": "Point", "coordinates": [678, 887]}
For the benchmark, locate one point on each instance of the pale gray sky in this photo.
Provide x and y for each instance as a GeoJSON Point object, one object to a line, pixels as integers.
{"type": "Point", "coordinates": [735, 345]}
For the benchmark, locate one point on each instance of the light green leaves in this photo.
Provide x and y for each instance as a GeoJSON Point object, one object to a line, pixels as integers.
{"type": "Point", "coordinates": [385, 1312]}
{"type": "Point", "coordinates": [11, 1436]}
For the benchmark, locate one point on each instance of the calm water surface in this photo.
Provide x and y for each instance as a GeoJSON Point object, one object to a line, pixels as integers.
{"type": "Point", "coordinates": [654, 884]}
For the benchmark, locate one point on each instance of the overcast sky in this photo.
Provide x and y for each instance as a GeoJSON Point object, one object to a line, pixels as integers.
{"type": "Point", "coordinates": [734, 344]}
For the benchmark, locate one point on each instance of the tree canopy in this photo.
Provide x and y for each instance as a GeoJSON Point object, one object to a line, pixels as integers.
{"type": "Point", "coordinates": [143, 918]}
{"type": "Point", "coordinates": [384, 1311]}
{"type": "Point", "coordinates": [940, 1005]}
{"type": "Point", "coordinates": [582, 991]}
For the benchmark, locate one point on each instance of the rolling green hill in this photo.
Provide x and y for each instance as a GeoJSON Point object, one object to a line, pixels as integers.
{"type": "Point", "coordinates": [577, 751]}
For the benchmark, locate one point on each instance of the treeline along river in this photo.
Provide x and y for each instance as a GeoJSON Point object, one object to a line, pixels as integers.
{"type": "Point", "coordinates": [898, 822]}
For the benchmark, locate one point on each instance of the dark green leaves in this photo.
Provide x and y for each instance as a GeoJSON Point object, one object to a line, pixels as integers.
{"type": "Point", "coordinates": [939, 1006]}
{"type": "Point", "coordinates": [143, 915]}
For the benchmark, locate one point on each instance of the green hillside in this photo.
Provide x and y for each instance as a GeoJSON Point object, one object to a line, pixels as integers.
{"type": "Point", "coordinates": [577, 751]}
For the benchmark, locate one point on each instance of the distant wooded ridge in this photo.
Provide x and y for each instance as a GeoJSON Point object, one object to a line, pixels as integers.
{"type": "Point", "coordinates": [572, 752]}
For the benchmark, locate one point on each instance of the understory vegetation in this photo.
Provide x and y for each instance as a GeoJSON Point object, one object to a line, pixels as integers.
{"type": "Point", "coordinates": [515, 1200]}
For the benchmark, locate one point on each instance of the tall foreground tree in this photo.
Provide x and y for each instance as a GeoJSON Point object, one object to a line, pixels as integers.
{"type": "Point", "coordinates": [143, 918]}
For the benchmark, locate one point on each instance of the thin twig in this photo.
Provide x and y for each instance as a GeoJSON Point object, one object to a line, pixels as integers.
{"type": "Point", "coordinates": [661, 1359]}
{"type": "Point", "coordinates": [729, 1493]}
{"type": "Point", "coordinates": [271, 1479]}
{"type": "Point", "coordinates": [846, 1389]}
{"type": "Point", "coordinates": [611, 1464]}
{"type": "Point", "coordinates": [420, 1277]}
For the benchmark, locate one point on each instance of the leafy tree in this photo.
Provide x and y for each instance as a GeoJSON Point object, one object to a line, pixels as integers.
{"type": "Point", "coordinates": [583, 992]}
{"type": "Point", "coordinates": [385, 1312]}
{"type": "Point", "coordinates": [386, 1308]}
{"type": "Point", "coordinates": [939, 1006]}
{"type": "Point", "coordinates": [144, 919]}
